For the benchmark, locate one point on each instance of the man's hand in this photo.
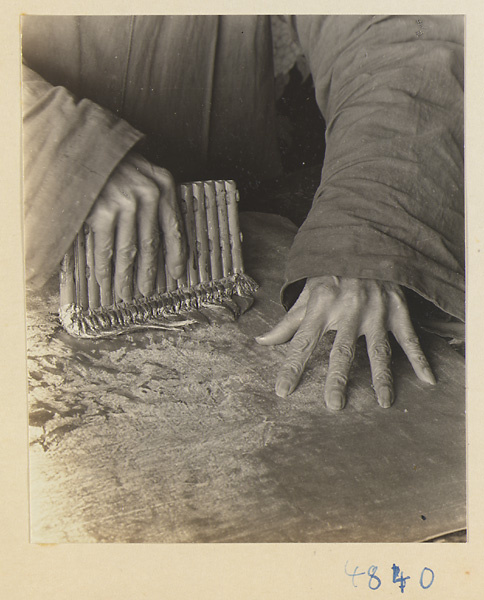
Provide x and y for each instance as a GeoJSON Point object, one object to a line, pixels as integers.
{"type": "Point", "coordinates": [352, 307]}
{"type": "Point", "coordinates": [136, 203]}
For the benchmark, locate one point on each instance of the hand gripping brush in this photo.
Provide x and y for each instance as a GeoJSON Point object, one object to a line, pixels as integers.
{"type": "Point", "coordinates": [214, 274]}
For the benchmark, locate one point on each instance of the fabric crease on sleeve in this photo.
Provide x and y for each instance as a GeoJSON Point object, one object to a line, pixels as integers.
{"type": "Point", "coordinates": [70, 148]}
{"type": "Point", "coordinates": [390, 205]}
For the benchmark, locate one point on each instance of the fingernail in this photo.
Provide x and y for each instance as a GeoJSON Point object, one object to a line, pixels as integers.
{"type": "Point", "coordinates": [336, 401]}
{"type": "Point", "coordinates": [264, 339]}
{"type": "Point", "coordinates": [177, 271]}
{"type": "Point", "coordinates": [385, 397]}
{"type": "Point", "coordinates": [146, 288]}
{"type": "Point", "coordinates": [283, 388]}
{"type": "Point", "coordinates": [126, 293]}
{"type": "Point", "coordinates": [429, 376]}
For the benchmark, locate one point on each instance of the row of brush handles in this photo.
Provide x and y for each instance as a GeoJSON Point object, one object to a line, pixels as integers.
{"type": "Point", "coordinates": [210, 214]}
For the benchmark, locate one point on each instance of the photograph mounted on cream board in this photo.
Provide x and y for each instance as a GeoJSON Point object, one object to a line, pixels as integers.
{"type": "Point", "coordinates": [263, 255]}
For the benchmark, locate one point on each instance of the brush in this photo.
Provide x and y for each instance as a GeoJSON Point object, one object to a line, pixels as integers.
{"type": "Point", "coordinates": [214, 275]}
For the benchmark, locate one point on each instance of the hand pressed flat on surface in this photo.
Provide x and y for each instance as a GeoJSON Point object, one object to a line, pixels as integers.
{"type": "Point", "coordinates": [352, 308]}
{"type": "Point", "coordinates": [137, 204]}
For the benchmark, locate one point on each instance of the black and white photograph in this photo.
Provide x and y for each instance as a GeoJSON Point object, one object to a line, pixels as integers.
{"type": "Point", "coordinates": [245, 278]}
{"type": "Point", "coordinates": [241, 300]}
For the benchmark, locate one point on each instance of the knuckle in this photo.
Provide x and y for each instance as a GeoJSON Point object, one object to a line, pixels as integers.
{"type": "Point", "coordinates": [301, 344]}
{"type": "Point", "coordinates": [148, 274]}
{"type": "Point", "coordinates": [337, 380]}
{"type": "Point", "coordinates": [361, 295]}
{"type": "Point", "coordinates": [164, 178]}
{"type": "Point", "coordinates": [411, 341]}
{"type": "Point", "coordinates": [383, 377]}
{"type": "Point", "coordinates": [351, 302]}
{"type": "Point", "coordinates": [165, 175]}
{"type": "Point", "coordinates": [151, 193]}
{"type": "Point", "coordinates": [175, 237]}
{"type": "Point", "coordinates": [393, 288]}
{"type": "Point", "coordinates": [422, 361]}
{"type": "Point", "coordinates": [398, 298]}
{"type": "Point", "coordinates": [127, 253]}
{"type": "Point", "coordinates": [320, 295]}
{"type": "Point", "coordinates": [102, 271]}
{"type": "Point", "coordinates": [379, 299]}
{"type": "Point", "coordinates": [128, 205]}
{"type": "Point", "coordinates": [292, 369]}
{"type": "Point", "coordinates": [149, 246]}
{"type": "Point", "coordinates": [342, 353]}
{"type": "Point", "coordinates": [103, 255]}
{"type": "Point", "coordinates": [381, 350]}
{"type": "Point", "coordinates": [100, 216]}
{"type": "Point", "coordinates": [123, 280]}
{"type": "Point", "coordinates": [323, 285]}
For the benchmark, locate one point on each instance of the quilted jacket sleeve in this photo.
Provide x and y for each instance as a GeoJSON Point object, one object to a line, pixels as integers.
{"type": "Point", "coordinates": [70, 147]}
{"type": "Point", "coordinates": [390, 205]}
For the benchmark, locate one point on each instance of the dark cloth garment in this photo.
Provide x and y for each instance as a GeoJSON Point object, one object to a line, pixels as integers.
{"type": "Point", "coordinates": [391, 201]}
{"type": "Point", "coordinates": [198, 90]}
{"type": "Point", "coordinates": [390, 205]}
{"type": "Point", "coordinates": [70, 149]}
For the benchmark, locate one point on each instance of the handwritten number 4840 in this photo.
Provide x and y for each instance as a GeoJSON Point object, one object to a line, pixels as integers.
{"type": "Point", "coordinates": [374, 581]}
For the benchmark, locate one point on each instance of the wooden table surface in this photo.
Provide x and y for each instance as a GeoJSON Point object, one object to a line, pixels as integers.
{"type": "Point", "coordinates": [179, 437]}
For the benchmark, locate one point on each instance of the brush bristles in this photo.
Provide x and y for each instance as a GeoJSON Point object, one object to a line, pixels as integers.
{"type": "Point", "coordinates": [157, 311]}
{"type": "Point", "coordinates": [214, 273]}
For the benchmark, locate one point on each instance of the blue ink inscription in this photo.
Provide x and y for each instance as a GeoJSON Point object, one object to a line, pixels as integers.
{"type": "Point", "coordinates": [431, 575]}
{"type": "Point", "coordinates": [373, 577]}
{"type": "Point", "coordinates": [401, 580]}
{"type": "Point", "coordinates": [354, 574]}
{"type": "Point", "coordinates": [427, 577]}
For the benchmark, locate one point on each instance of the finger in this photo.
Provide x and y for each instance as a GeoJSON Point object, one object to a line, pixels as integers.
{"type": "Point", "coordinates": [300, 349]}
{"type": "Point", "coordinates": [125, 244]}
{"type": "Point", "coordinates": [289, 324]}
{"type": "Point", "coordinates": [308, 334]}
{"type": "Point", "coordinates": [285, 329]}
{"type": "Point", "coordinates": [408, 340]}
{"type": "Point", "coordinates": [102, 220]}
{"type": "Point", "coordinates": [340, 361]}
{"type": "Point", "coordinates": [379, 353]}
{"type": "Point", "coordinates": [148, 241]}
{"type": "Point", "coordinates": [402, 328]}
{"type": "Point", "coordinates": [171, 224]}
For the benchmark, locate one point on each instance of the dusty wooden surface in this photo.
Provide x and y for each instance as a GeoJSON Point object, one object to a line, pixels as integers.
{"type": "Point", "coordinates": [179, 437]}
